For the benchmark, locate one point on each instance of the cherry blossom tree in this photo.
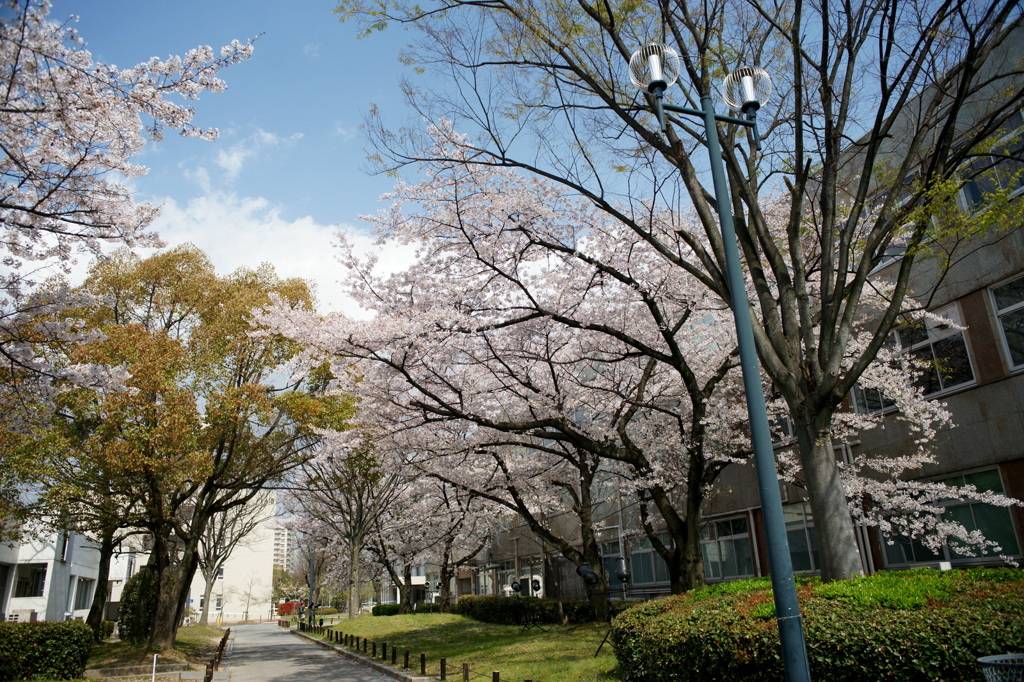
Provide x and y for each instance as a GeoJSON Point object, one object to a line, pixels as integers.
{"type": "Point", "coordinates": [882, 111]}
{"type": "Point", "coordinates": [536, 351]}
{"type": "Point", "coordinates": [69, 128]}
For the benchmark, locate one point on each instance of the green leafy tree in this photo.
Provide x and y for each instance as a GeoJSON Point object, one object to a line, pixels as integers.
{"type": "Point", "coordinates": [210, 415]}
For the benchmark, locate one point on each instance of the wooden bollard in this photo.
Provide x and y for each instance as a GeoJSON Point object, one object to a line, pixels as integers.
{"type": "Point", "coordinates": [375, 650]}
{"type": "Point", "coordinates": [444, 665]}
{"type": "Point", "coordinates": [384, 651]}
{"type": "Point", "coordinates": [495, 676]}
{"type": "Point", "coordinates": [423, 664]}
{"type": "Point", "coordinates": [394, 654]}
{"type": "Point", "coordinates": [465, 672]}
{"type": "Point", "coordinates": [406, 660]}
{"type": "Point", "coordinates": [366, 643]}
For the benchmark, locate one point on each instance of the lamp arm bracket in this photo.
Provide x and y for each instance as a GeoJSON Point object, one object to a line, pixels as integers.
{"type": "Point", "coordinates": [700, 114]}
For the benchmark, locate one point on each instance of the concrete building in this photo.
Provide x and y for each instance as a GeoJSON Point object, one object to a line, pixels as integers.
{"type": "Point", "coordinates": [50, 578]}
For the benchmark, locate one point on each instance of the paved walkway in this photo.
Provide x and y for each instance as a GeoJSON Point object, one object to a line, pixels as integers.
{"type": "Point", "coordinates": [267, 653]}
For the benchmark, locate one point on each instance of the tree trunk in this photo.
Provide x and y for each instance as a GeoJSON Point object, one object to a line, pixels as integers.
{"type": "Point", "coordinates": [99, 596]}
{"type": "Point", "coordinates": [405, 591]}
{"type": "Point", "coordinates": [174, 581]}
{"type": "Point", "coordinates": [204, 617]}
{"type": "Point", "coordinates": [833, 526]}
{"type": "Point", "coordinates": [354, 550]}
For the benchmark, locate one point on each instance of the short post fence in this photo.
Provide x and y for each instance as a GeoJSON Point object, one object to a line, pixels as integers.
{"type": "Point", "coordinates": [364, 645]}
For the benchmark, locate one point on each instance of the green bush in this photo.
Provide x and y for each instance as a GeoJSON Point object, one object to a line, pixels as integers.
{"type": "Point", "coordinates": [47, 650]}
{"type": "Point", "coordinates": [326, 611]}
{"type": "Point", "coordinates": [914, 625]}
{"type": "Point", "coordinates": [106, 630]}
{"type": "Point", "coordinates": [516, 610]}
{"type": "Point", "coordinates": [138, 606]}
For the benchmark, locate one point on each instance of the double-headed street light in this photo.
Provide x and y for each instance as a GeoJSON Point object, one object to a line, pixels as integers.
{"type": "Point", "coordinates": [653, 68]}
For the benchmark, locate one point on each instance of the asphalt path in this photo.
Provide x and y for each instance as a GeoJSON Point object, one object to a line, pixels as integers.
{"type": "Point", "coordinates": [266, 653]}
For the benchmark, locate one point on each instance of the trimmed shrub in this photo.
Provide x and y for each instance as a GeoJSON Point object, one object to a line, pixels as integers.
{"type": "Point", "coordinates": [385, 610]}
{"type": "Point", "coordinates": [914, 625]}
{"type": "Point", "coordinates": [138, 606]}
{"type": "Point", "coordinates": [47, 650]}
{"type": "Point", "coordinates": [106, 630]}
{"type": "Point", "coordinates": [516, 610]}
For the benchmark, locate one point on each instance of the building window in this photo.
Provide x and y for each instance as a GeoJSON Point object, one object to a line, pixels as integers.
{"type": "Point", "coordinates": [869, 400]}
{"type": "Point", "coordinates": [610, 553]}
{"type": "Point", "coordinates": [726, 548]}
{"type": "Point", "coordinates": [1002, 170]}
{"type": "Point", "coordinates": [220, 573]}
{"type": "Point", "coordinates": [484, 582]}
{"type": "Point", "coordinates": [506, 574]}
{"type": "Point", "coordinates": [995, 523]}
{"type": "Point", "coordinates": [940, 350]}
{"type": "Point", "coordinates": [30, 580]}
{"type": "Point", "coordinates": [803, 545]}
{"type": "Point", "coordinates": [83, 594]}
{"type": "Point", "coordinates": [1009, 303]}
{"type": "Point", "coordinates": [646, 564]}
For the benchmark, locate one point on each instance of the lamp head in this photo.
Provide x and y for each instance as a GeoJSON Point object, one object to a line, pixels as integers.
{"type": "Point", "coordinates": [747, 88]}
{"type": "Point", "coordinates": [622, 570]}
{"type": "Point", "coordinates": [654, 67]}
{"type": "Point", "coordinates": [588, 575]}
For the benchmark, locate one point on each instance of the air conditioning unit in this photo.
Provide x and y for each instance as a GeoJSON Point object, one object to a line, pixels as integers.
{"type": "Point", "coordinates": [23, 616]}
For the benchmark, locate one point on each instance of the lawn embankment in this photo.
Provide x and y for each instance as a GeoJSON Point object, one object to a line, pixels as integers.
{"type": "Point", "coordinates": [194, 645]}
{"type": "Point", "coordinates": [558, 654]}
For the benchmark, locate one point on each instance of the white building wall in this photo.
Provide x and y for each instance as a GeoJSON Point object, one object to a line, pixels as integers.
{"type": "Point", "coordinates": [246, 588]}
{"type": "Point", "coordinates": [71, 565]}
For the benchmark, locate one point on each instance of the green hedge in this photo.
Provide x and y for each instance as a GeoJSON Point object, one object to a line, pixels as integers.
{"type": "Point", "coordinates": [48, 650]}
{"type": "Point", "coordinates": [392, 609]}
{"type": "Point", "coordinates": [914, 625]}
{"type": "Point", "coordinates": [515, 610]}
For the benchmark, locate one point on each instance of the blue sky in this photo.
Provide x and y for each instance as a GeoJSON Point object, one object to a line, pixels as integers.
{"type": "Point", "coordinates": [289, 167]}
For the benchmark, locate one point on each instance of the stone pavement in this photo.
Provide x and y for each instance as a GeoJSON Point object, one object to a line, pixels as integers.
{"type": "Point", "coordinates": [267, 653]}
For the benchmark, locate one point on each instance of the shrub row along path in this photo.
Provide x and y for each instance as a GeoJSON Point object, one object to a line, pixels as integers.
{"type": "Point", "coordinates": [267, 653]}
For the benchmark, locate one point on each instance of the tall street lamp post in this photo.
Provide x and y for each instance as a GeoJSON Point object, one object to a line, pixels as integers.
{"type": "Point", "coordinates": [654, 68]}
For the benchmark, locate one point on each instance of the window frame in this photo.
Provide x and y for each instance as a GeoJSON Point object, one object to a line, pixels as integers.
{"type": "Point", "coordinates": [970, 206]}
{"type": "Point", "coordinates": [932, 336]}
{"type": "Point", "coordinates": [729, 538]}
{"type": "Point", "coordinates": [998, 315]}
{"type": "Point", "coordinates": [947, 554]}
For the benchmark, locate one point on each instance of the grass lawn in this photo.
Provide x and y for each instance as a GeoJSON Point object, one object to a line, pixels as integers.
{"type": "Point", "coordinates": [560, 654]}
{"type": "Point", "coordinates": [194, 644]}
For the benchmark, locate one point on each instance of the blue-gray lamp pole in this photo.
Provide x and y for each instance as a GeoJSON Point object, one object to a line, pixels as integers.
{"type": "Point", "coordinates": [661, 71]}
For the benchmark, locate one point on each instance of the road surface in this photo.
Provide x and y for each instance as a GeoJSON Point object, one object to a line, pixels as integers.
{"type": "Point", "coordinates": [267, 653]}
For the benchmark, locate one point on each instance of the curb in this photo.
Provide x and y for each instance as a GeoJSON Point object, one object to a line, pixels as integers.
{"type": "Point", "coordinates": [363, 661]}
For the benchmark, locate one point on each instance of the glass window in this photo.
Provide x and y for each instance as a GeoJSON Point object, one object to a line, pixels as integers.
{"type": "Point", "coordinates": [869, 400]}
{"type": "Point", "coordinates": [83, 594]}
{"type": "Point", "coordinates": [1002, 169]}
{"type": "Point", "coordinates": [726, 548]}
{"type": "Point", "coordinates": [610, 554]}
{"type": "Point", "coordinates": [940, 350]}
{"type": "Point", "coordinates": [506, 574]}
{"type": "Point", "coordinates": [484, 582]}
{"type": "Point", "coordinates": [803, 545]}
{"type": "Point", "coordinates": [30, 580]}
{"type": "Point", "coordinates": [646, 565]}
{"type": "Point", "coordinates": [1009, 304]}
{"type": "Point", "coordinates": [995, 523]}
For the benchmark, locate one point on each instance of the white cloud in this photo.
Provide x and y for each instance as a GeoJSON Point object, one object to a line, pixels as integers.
{"type": "Point", "coordinates": [346, 133]}
{"type": "Point", "coordinates": [232, 159]}
{"type": "Point", "coordinates": [239, 231]}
